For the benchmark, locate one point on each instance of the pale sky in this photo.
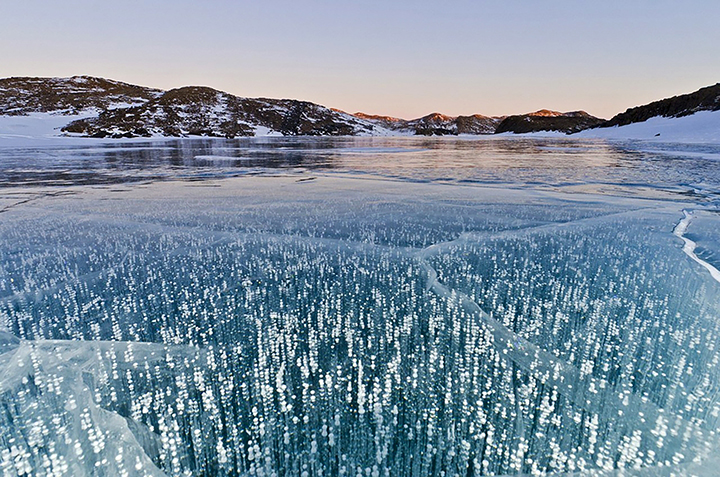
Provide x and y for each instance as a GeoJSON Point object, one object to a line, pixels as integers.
{"type": "Point", "coordinates": [396, 57]}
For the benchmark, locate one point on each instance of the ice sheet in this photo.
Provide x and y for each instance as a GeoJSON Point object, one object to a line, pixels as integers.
{"type": "Point", "coordinates": [261, 326]}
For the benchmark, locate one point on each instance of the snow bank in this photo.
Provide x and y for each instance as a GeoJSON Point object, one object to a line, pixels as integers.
{"type": "Point", "coordinates": [35, 125]}
{"type": "Point", "coordinates": [701, 127]}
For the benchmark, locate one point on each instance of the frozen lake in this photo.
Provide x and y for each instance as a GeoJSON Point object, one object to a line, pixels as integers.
{"type": "Point", "coordinates": [360, 307]}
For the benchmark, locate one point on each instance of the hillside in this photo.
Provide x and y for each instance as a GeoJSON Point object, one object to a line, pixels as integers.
{"type": "Point", "coordinates": [546, 120]}
{"type": "Point", "coordinates": [704, 99]}
{"type": "Point", "coordinates": [202, 111]}
{"type": "Point", "coordinates": [68, 96]}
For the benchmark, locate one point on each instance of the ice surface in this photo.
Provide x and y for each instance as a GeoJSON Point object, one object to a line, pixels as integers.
{"type": "Point", "coordinates": [353, 326]}
{"type": "Point", "coordinates": [609, 167]}
{"type": "Point", "coordinates": [53, 424]}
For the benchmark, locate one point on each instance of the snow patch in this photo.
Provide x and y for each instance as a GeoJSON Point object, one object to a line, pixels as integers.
{"type": "Point", "coordinates": [263, 131]}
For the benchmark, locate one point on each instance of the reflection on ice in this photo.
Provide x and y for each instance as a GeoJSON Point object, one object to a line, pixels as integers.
{"type": "Point", "coordinates": [389, 329]}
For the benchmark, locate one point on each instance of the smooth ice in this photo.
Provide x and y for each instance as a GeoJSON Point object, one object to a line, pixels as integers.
{"type": "Point", "coordinates": [356, 325]}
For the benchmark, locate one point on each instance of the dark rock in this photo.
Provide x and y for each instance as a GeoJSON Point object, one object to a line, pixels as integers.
{"type": "Point", "coordinates": [546, 120]}
{"type": "Point", "coordinates": [477, 124]}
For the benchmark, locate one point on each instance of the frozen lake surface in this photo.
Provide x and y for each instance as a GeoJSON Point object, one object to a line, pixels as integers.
{"type": "Point", "coordinates": [360, 307]}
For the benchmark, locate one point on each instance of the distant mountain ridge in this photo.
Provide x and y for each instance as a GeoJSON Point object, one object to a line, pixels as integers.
{"type": "Point", "coordinates": [109, 108]}
{"type": "Point", "coordinates": [436, 124]}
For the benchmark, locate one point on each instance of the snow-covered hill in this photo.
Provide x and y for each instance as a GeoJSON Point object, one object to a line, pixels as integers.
{"type": "Point", "coordinates": [202, 111]}
{"type": "Point", "coordinates": [693, 117]}
{"type": "Point", "coordinates": [84, 106]}
{"type": "Point", "coordinates": [700, 127]}
{"type": "Point", "coordinates": [704, 99]}
{"type": "Point", "coordinates": [96, 107]}
{"type": "Point", "coordinates": [437, 124]}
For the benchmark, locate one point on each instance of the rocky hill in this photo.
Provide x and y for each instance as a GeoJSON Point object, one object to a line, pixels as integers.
{"type": "Point", "coordinates": [69, 96]}
{"type": "Point", "coordinates": [437, 124]}
{"type": "Point", "coordinates": [114, 109]}
{"type": "Point", "coordinates": [202, 111]}
{"type": "Point", "coordinates": [546, 120]}
{"type": "Point", "coordinates": [704, 99]}
{"type": "Point", "coordinates": [478, 124]}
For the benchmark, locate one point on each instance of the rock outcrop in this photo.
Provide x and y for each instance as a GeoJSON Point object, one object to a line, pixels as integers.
{"type": "Point", "coordinates": [546, 120]}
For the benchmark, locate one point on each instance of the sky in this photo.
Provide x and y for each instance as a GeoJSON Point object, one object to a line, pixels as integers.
{"type": "Point", "coordinates": [394, 57]}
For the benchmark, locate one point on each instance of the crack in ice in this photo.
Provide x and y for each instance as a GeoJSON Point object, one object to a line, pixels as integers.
{"type": "Point", "coordinates": [589, 393]}
{"type": "Point", "coordinates": [689, 246]}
